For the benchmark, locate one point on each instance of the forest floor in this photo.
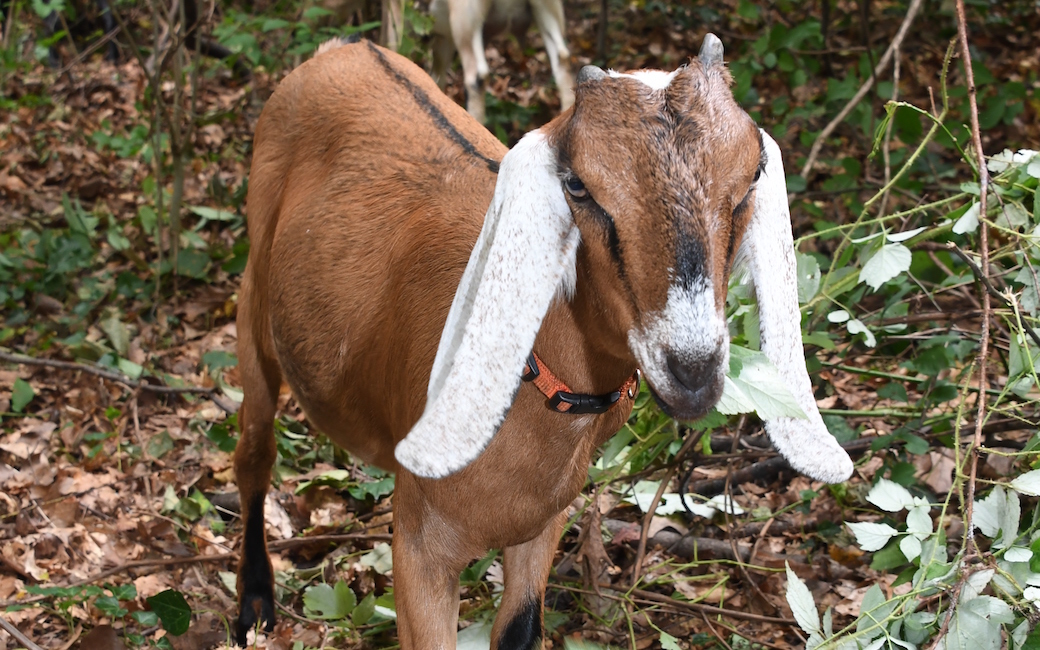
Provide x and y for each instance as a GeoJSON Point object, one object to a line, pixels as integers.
{"type": "Point", "coordinates": [104, 483]}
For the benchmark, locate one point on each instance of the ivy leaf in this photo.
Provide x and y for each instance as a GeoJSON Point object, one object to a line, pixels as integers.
{"type": "Point", "coordinates": [871, 536]}
{"type": "Point", "coordinates": [329, 603]}
{"type": "Point", "coordinates": [173, 611]}
{"type": "Point", "coordinates": [21, 394]}
{"type": "Point", "coordinates": [1028, 483]}
{"type": "Point", "coordinates": [887, 263]}
{"type": "Point", "coordinates": [890, 496]}
{"type": "Point", "coordinates": [802, 604]}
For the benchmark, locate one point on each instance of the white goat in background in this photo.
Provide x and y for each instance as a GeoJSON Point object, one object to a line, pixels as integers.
{"type": "Point", "coordinates": [418, 286]}
{"type": "Point", "coordinates": [461, 25]}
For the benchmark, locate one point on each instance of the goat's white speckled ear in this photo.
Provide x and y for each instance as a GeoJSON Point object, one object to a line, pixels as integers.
{"type": "Point", "coordinates": [769, 250]}
{"type": "Point", "coordinates": [526, 250]}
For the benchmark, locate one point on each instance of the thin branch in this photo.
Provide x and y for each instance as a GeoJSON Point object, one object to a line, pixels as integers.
{"type": "Point", "coordinates": [104, 374]}
{"type": "Point", "coordinates": [911, 13]}
{"type": "Point", "coordinates": [976, 136]}
{"type": "Point", "coordinates": [18, 636]}
{"type": "Point", "coordinates": [690, 441]}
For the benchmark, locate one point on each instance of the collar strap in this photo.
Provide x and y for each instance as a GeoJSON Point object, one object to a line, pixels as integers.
{"type": "Point", "coordinates": [563, 400]}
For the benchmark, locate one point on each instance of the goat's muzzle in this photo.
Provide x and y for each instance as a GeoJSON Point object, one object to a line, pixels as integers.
{"type": "Point", "coordinates": [691, 385]}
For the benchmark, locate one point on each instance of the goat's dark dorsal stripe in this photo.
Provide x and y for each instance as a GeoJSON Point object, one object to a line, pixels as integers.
{"type": "Point", "coordinates": [524, 631]}
{"type": "Point", "coordinates": [423, 100]}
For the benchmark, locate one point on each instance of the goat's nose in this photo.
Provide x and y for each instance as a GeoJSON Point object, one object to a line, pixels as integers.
{"type": "Point", "coordinates": [694, 374]}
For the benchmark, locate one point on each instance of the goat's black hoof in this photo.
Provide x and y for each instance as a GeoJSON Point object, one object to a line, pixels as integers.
{"type": "Point", "coordinates": [255, 609]}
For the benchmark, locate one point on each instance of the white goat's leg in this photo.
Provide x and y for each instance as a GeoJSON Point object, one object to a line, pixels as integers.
{"type": "Point", "coordinates": [467, 29]}
{"type": "Point", "coordinates": [548, 15]}
{"type": "Point", "coordinates": [518, 623]}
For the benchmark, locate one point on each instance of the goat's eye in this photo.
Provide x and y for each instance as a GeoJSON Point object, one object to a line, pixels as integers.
{"type": "Point", "coordinates": [758, 175]}
{"type": "Point", "coordinates": [576, 188]}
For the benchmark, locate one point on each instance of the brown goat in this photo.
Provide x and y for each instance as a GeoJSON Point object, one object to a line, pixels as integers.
{"type": "Point", "coordinates": [404, 265]}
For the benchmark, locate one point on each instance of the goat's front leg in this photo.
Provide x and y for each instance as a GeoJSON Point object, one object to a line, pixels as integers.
{"type": "Point", "coordinates": [426, 574]}
{"type": "Point", "coordinates": [518, 625]}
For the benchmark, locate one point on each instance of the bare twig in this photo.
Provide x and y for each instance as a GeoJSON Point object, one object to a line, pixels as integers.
{"type": "Point", "coordinates": [18, 636]}
{"type": "Point", "coordinates": [911, 13]}
{"type": "Point", "coordinates": [976, 136]}
{"type": "Point", "coordinates": [690, 441]}
{"type": "Point", "coordinates": [111, 375]}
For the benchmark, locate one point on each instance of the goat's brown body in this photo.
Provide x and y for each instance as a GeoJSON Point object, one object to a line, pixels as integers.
{"type": "Point", "coordinates": [346, 299]}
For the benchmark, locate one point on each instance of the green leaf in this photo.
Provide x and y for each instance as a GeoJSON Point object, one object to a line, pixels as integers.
{"type": "Point", "coordinates": [758, 387]}
{"type": "Point", "coordinates": [365, 609]}
{"type": "Point", "coordinates": [808, 277]}
{"type": "Point", "coordinates": [669, 642]}
{"type": "Point", "coordinates": [871, 536]}
{"type": "Point", "coordinates": [890, 496]}
{"type": "Point", "coordinates": [129, 368]}
{"type": "Point", "coordinates": [379, 558]}
{"type": "Point", "coordinates": [21, 394]}
{"type": "Point", "coordinates": [969, 221]}
{"type": "Point", "coordinates": [219, 359]}
{"type": "Point", "coordinates": [887, 263]}
{"type": "Point", "coordinates": [328, 603]}
{"type": "Point", "coordinates": [802, 604]}
{"type": "Point", "coordinates": [1028, 483]}
{"type": "Point", "coordinates": [173, 610]}
{"type": "Point", "coordinates": [117, 332]}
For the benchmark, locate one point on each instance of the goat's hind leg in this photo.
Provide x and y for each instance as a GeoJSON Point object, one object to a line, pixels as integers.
{"type": "Point", "coordinates": [254, 458]}
{"type": "Point", "coordinates": [518, 625]}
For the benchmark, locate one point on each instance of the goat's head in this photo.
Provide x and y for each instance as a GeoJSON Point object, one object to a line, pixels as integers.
{"type": "Point", "coordinates": [665, 181]}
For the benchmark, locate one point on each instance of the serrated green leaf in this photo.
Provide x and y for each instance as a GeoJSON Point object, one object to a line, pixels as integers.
{"type": "Point", "coordinates": [21, 394]}
{"type": "Point", "coordinates": [919, 522]}
{"type": "Point", "coordinates": [890, 496]}
{"type": "Point", "coordinates": [802, 604]}
{"type": "Point", "coordinates": [758, 388]}
{"type": "Point", "coordinates": [887, 263]}
{"type": "Point", "coordinates": [669, 642]}
{"type": "Point", "coordinates": [173, 610]}
{"type": "Point", "coordinates": [871, 536]}
{"type": "Point", "coordinates": [1028, 483]}
{"type": "Point", "coordinates": [365, 609]}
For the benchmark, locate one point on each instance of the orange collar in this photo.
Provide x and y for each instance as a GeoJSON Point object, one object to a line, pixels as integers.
{"type": "Point", "coordinates": [562, 400]}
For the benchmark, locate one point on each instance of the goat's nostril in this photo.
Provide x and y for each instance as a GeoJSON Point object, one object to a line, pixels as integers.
{"type": "Point", "coordinates": [693, 374]}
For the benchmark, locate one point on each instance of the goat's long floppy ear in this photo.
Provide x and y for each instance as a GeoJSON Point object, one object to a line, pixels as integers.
{"type": "Point", "coordinates": [769, 250]}
{"type": "Point", "coordinates": [524, 252]}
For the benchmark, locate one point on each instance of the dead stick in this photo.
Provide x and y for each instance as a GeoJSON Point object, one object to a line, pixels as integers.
{"type": "Point", "coordinates": [104, 374]}
{"type": "Point", "coordinates": [882, 64]}
{"type": "Point", "coordinates": [976, 136]}
{"type": "Point", "coordinates": [18, 636]}
{"type": "Point", "coordinates": [641, 549]}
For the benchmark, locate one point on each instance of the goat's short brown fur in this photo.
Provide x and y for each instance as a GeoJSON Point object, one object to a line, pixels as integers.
{"type": "Point", "coordinates": [368, 191]}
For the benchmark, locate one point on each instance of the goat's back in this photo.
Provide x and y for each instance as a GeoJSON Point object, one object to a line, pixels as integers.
{"type": "Point", "coordinates": [367, 193]}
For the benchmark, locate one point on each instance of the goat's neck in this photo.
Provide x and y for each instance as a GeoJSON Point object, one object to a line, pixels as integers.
{"type": "Point", "coordinates": [581, 347]}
